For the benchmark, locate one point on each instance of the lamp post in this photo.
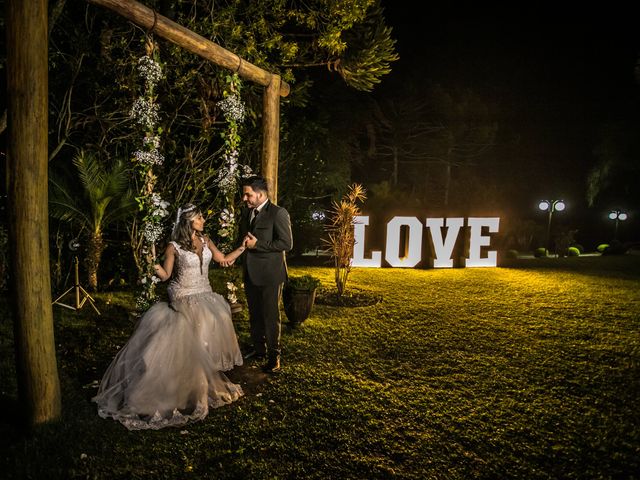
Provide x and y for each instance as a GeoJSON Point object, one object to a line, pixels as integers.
{"type": "Point", "coordinates": [551, 206]}
{"type": "Point", "coordinates": [618, 216]}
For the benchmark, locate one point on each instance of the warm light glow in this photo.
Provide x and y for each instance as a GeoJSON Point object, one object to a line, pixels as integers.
{"type": "Point", "coordinates": [444, 248]}
{"type": "Point", "coordinates": [443, 245]}
{"type": "Point", "coordinates": [544, 205]}
{"type": "Point", "coordinates": [477, 241]}
{"type": "Point", "coordinates": [392, 248]}
{"type": "Point", "coordinates": [358, 260]}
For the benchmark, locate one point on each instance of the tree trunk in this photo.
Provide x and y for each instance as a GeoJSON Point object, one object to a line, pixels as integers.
{"type": "Point", "coordinates": [394, 175]}
{"type": "Point", "coordinates": [94, 254]}
{"type": "Point", "coordinates": [447, 183]}
{"type": "Point", "coordinates": [27, 89]}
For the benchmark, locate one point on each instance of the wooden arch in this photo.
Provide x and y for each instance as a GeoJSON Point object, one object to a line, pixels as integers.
{"type": "Point", "coordinates": [274, 87]}
{"type": "Point", "coordinates": [27, 178]}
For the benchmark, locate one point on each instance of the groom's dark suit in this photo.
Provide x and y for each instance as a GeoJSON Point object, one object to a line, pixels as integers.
{"type": "Point", "coordinates": [265, 270]}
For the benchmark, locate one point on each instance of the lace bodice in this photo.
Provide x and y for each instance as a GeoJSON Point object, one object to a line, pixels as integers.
{"type": "Point", "coordinates": [190, 275]}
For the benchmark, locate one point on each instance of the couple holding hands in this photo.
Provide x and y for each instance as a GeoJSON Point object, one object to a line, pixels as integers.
{"type": "Point", "coordinates": [170, 371]}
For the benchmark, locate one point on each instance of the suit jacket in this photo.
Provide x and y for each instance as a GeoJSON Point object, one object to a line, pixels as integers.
{"type": "Point", "coordinates": [266, 264]}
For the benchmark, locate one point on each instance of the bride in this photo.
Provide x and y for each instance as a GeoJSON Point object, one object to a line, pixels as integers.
{"type": "Point", "coordinates": [170, 371]}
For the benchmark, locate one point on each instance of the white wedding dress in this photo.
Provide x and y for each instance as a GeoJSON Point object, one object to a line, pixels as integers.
{"type": "Point", "coordinates": [170, 370]}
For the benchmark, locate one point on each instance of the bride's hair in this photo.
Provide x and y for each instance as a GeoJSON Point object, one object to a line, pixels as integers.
{"type": "Point", "coordinates": [182, 230]}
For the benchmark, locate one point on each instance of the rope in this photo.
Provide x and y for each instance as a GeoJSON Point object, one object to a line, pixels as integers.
{"type": "Point", "coordinates": [155, 21]}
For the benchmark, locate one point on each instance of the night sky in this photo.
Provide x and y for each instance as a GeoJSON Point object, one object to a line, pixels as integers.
{"type": "Point", "coordinates": [555, 76]}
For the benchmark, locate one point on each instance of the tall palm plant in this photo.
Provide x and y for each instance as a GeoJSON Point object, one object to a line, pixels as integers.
{"type": "Point", "coordinates": [104, 199]}
{"type": "Point", "coordinates": [341, 236]}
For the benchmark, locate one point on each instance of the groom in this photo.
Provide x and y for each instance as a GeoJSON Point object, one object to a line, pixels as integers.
{"type": "Point", "coordinates": [267, 230]}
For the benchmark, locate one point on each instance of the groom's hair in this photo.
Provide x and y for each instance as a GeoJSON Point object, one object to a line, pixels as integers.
{"type": "Point", "coordinates": [256, 183]}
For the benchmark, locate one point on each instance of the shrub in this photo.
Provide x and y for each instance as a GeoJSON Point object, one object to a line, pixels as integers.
{"type": "Point", "coordinates": [540, 252]}
{"type": "Point", "coordinates": [512, 253]}
{"type": "Point", "coordinates": [573, 252]}
{"type": "Point", "coordinates": [341, 237]}
{"type": "Point", "coordinates": [602, 247]}
{"type": "Point", "coordinates": [303, 282]}
{"type": "Point", "coordinates": [579, 247]}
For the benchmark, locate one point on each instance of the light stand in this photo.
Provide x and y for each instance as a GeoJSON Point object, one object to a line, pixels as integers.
{"type": "Point", "coordinates": [79, 291]}
{"type": "Point", "coordinates": [618, 216]}
{"type": "Point", "coordinates": [551, 206]}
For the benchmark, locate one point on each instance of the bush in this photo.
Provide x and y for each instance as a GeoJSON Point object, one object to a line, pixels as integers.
{"type": "Point", "coordinates": [602, 247]}
{"type": "Point", "coordinates": [512, 253]}
{"type": "Point", "coordinates": [303, 282]}
{"type": "Point", "coordinates": [573, 252]}
{"type": "Point", "coordinates": [540, 252]}
{"type": "Point", "coordinates": [579, 247]}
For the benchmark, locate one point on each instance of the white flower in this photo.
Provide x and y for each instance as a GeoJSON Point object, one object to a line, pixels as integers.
{"type": "Point", "coordinates": [160, 212]}
{"type": "Point", "coordinates": [151, 157]}
{"type": "Point", "coordinates": [233, 108]}
{"type": "Point", "coordinates": [144, 112]}
{"type": "Point", "coordinates": [156, 199]}
{"type": "Point", "coordinates": [230, 172]}
{"type": "Point", "coordinates": [246, 170]}
{"type": "Point", "coordinates": [150, 70]}
{"type": "Point", "coordinates": [152, 232]}
{"type": "Point", "coordinates": [226, 218]}
{"type": "Point", "coordinates": [318, 215]}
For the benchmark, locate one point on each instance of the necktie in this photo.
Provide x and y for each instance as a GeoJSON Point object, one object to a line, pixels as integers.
{"type": "Point", "coordinates": [254, 215]}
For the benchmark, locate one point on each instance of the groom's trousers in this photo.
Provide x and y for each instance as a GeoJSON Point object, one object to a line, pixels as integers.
{"type": "Point", "coordinates": [264, 317]}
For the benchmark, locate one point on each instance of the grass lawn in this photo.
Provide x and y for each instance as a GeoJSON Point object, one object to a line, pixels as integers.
{"type": "Point", "coordinates": [522, 372]}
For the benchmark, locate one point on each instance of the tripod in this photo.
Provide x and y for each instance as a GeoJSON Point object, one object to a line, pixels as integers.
{"type": "Point", "coordinates": [78, 290]}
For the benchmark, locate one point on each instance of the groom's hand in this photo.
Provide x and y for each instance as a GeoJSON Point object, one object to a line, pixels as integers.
{"type": "Point", "coordinates": [250, 241]}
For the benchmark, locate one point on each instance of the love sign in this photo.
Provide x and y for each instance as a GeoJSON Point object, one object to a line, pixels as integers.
{"type": "Point", "coordinates": [443, 243]}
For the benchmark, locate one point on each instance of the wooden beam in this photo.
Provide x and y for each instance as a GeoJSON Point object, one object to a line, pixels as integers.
{"type": "Point", "coordinates": [185, 38]}
{"type": "Point", "coordinates": [271, 136]}
{"type": "Point", "coordinates": [27, 177]}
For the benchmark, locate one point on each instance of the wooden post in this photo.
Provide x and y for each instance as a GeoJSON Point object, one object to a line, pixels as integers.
{"type": "Point", "coordinates": [185, 38]}
{"type": "Point", "coordinates": [271, 135]}
{"type": "Point", "coordinates": [27, 163]}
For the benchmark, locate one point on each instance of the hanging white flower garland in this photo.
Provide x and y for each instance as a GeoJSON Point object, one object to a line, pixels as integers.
{"type": "Point", "coordinates": [230, 174]}
{"type": "Point", "coordinates": [145, 113]}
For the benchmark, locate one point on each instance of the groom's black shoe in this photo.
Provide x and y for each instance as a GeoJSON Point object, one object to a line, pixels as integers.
{"type": "Point", "coordinates": [253, 355]}
{"type": "Point", "coordinates": [272, 366]}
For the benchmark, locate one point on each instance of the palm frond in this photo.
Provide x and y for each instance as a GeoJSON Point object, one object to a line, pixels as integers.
{"type": "Point", "coordinates": [64, 205]}
{"type": "Point", "coordinates": [92, 173]}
